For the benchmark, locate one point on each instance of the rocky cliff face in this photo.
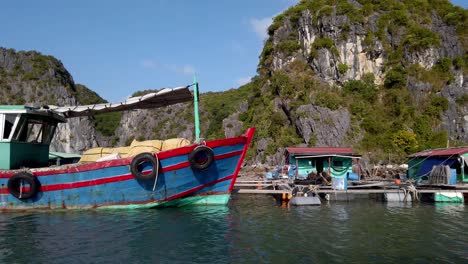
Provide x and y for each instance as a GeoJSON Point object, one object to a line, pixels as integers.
{"type": "Point", "coordinates": [380, 76]}
{"type": "Point", "coordinates": [412, 53]}
{"type": "Point", "coordinates": [30, 78]}
{"type": "Point", "coordinates": [161, 123]}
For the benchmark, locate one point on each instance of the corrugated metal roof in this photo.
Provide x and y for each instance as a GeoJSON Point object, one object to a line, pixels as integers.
{"type": "Point", "coordinates": [164, 97]}
{"type": "Point", "coordinates": [321, 151]}
{"type": "Point", "coordinates": [441, 152]}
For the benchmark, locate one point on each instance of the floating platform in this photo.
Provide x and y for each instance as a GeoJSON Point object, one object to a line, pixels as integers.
{"type": "Point", "coordinates": [379, 190]}
{"type": "Point", "coordinates": [448, 197]}
{"type": "Point", "coordinates": [305, 200]}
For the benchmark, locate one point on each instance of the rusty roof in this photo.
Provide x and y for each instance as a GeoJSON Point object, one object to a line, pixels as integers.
{"type": "Point", "coordinates": [441, 152]}
{"type": "Point", "coordinates": [322, 151]}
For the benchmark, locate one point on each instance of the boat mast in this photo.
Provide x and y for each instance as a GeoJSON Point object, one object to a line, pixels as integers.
{"type": "Point", "coordinates": [195, 109]}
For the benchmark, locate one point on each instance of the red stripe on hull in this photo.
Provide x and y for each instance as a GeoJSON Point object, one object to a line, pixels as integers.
{"type": "Point", "coordinates": [65, 186]}
{"type": "Point", "coordinates": [182, 194]}
{"type": "Point", "coordinates": [74, 185]}
{"type": "Point", "coordinates": [187, 164]}
{"type": "Point", "coordinates": [248, 135]}
{"type": "Point", "coordinates": [107, 164]}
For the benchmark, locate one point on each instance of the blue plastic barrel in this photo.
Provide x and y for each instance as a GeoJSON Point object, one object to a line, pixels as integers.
{"type": "Point", "coordinates": [339, 183]}
{"type": "Point", "coordinates": [453, 176]}
{"type": "Point", "coordinates": [353, 176]}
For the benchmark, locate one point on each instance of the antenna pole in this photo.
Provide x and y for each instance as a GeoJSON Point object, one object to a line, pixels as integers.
{"type": "Point", "coordinates": [195, 109]}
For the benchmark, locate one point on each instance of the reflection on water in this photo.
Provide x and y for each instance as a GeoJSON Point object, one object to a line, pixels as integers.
{"type": "Point", "coordinates": [251, 229]}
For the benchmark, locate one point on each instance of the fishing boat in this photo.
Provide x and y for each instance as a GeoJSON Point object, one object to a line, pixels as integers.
{"type": "Point", "coordinates": [202, 173]}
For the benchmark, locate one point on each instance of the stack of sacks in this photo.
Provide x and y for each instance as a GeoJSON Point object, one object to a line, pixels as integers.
{"type": "Point", "coordinates": [94, 154]}
{"type": "Point", "coordinates": [137, 147]}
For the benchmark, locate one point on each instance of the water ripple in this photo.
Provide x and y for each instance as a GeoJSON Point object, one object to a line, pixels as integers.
{"type": "Point", "coordinates": [251, 229]}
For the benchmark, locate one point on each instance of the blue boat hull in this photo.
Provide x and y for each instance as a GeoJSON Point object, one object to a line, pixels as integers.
{"type": "Point", "coordinates": [111, 184]}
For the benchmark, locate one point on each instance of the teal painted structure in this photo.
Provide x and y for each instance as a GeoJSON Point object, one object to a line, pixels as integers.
{"type": "Point", "coordinates": [420, 164]}
{"type": "Point", "coordinates": [26, 134]}
{"type": "Point", "coordinates": [337, 162]}
{"type": "Point", "coordinates": [196, 99]}
{"type": "Point", "coordinates": [61, 158]}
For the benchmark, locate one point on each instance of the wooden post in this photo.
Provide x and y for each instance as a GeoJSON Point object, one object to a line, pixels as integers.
{"type": "Point", "coordinates": [359, 169]}
{"type": "Point", "coordinates": [297, 168]}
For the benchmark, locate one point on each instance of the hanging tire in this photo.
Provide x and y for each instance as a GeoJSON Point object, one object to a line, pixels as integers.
{"type": "Point", "coordinates": [201, 158]}
{"type": "Point", "coordinates": [18, 180]}
{"type": "Point", "coordinates": [137, 171]}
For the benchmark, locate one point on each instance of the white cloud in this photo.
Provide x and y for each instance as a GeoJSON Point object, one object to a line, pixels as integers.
{"type": "Point", "coordinates": [180, 69]}
{"type": "Point", "coordinates": [244, 80]}
{"type": "Point", "coordinates": [188, 70]}
{"type": "Point", "coordinates": [260, 26]}
{"type": "Point", "coordinates": [148, 64]}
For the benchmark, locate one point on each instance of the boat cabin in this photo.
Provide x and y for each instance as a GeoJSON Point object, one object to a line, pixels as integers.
{"type": "Point", "coordinates": [25, 136]}
{"type": "Point", "coordinates": [336, 162]}
{"type": "Point", "coordinates": [421, 164]}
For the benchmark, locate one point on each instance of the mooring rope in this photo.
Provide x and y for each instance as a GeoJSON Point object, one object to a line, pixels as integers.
{"type": "Point", "coordinates": [314, 188]}
{"type": "Point", "coordinates": [157, 172]}
{"type": "Point", "coordinates": [411, 189]}
{"type": "Point", "coordinates": [21, 189]}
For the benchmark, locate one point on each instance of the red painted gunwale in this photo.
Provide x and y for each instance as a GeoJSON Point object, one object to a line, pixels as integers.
{"type": "Point", "coordinates": [126, 161]}
{"type": "Point", "coordinates": [129, 176]}
{"type": "Point", "coordinates": [249, 136]}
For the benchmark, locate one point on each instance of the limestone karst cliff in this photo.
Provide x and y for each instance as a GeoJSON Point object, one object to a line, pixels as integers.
{"type": "Point", "coordinates": [30, 78]}
{"type": "Point", "coordinates": [383, 77]}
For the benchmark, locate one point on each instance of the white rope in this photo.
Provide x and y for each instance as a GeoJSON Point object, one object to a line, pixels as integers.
{"type": "Point", "coordinates": [314, 188]}
{"type": "Point", "coordinates": [157, 172]}
{"type": "Point", "coordinates": [411, 189]}
{"type": "Point", "coordinates": [21, 189]}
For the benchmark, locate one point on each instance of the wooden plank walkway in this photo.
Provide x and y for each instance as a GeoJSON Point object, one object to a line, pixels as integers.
{"type": "Point", "coordinates": [283, 187]}
{"type": "Point", "coordinates": [256, 191]}
{"type": "Point", "coordinates": [363, 191]}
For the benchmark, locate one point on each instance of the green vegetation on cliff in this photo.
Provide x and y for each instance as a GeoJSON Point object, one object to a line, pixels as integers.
{"type": "Point", "coordinates": [390, 118]}
{"type": "Point", "coordinates": [303, 82]}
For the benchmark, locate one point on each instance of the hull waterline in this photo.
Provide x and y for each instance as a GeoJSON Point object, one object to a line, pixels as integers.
{"type": "Point", "coordinates": [111, 184]}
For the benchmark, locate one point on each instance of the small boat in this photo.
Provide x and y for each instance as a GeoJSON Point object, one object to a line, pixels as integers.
{"type": "Point", "coordinates": [202, 173]}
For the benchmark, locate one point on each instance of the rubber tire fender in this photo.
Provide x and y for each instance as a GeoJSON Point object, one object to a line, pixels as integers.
{"type": "Point", "coordinates": [138, 160]}
{"type": "Point", "coordinates": [14, 185]}
{"type": "Point", "coordinates": [195, 154]}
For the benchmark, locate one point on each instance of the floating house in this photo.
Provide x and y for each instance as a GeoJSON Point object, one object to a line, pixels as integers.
{"type": "Point", "coordinates": [336, 162]}
{"type": "Point", "coordinates": [422, 163]}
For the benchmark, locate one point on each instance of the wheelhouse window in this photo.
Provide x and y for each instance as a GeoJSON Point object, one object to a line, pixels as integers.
{"type": "Point", "coordinates": [34, 130]}
{"type": "Point", "coordinates": [7, 122]}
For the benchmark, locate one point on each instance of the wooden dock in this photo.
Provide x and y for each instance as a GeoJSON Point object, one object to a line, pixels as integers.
{"type": "Point", "coordinates": [284, 187]}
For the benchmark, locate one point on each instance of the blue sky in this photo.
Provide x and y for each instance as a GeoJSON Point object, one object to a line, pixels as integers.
{"type": "Point", "coordinates": [117, 47]}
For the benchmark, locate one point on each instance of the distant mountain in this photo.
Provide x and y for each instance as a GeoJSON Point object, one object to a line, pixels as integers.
{"type": "Point", "coordinates": [30, 78]}
{"type": "Point", "coordinates": [385, 77]}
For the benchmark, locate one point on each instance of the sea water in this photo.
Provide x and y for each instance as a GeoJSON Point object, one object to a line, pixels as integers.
{"type": "Point", "coordinates": [251, 229]}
